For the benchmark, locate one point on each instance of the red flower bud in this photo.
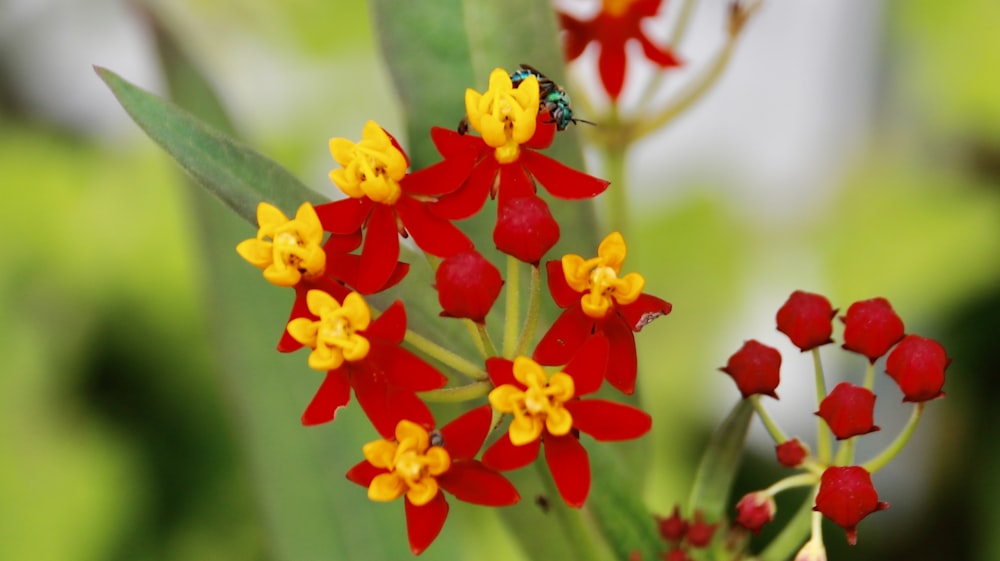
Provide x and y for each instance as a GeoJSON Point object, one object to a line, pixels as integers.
{"type": "Point", "coordinates": [791, 453]}
{"type": "Point", "coordinates": [674, 527]}
{"type": "Point", "coordinates": [849, 410]}
{"type": "Point", "coordinates": [755, 369]}
{"type": "Point", "coordinates": [699, 532]}
{"type": "Point", "coordinates": [754, 510]}
{"type": "Point", "coordinates": [846, 495]}
{"type": "Point", "coordinates": [467, 286]}
{"type": "Point", "coordinates": [676, 554]}
{"type": "Point", "coordinates": [871, 327]}
{"type": "Point", "coordinates": [917, 365]}
{"type": "Point", "coordinates": [807, 319]}
{"type": "Point", "coordinates": [525, 229]}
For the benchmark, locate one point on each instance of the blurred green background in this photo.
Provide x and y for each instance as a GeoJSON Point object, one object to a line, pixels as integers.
{"type": "Point", "coordinates": [145, 416]}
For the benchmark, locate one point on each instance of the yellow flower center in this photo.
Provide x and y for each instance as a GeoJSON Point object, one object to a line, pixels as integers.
{"type": "Point", "coordinates": [372, 168]}
{"type": "Point", "coordinates": [334, 337]}
{"type": "Point", "coordinates": [598, 278]}
{"type": "Point", "coordinates": [616, 8]}
{"type": "Point", "coordinates": [538, 406]}
{"type": "Point", "coordinates": [504, 115]}
{"type": "Point", "coordinates": [287, 250]}
{"type": "Point", "coordinates": [412, 462]}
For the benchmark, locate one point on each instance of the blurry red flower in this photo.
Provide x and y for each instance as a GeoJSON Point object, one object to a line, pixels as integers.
{"type": "Point", "coordinates": [700, 532]}
{"type": "Point", "coordinates": [674, 527]}
{"type": "Point", "coordinates": [791, 453]}
{"type": "Point", "coordinates": [755, 510]}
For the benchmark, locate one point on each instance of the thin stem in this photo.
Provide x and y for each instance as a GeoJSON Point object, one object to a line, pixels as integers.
{"type": "Point", "coordinates": [487, 342]}
{"type": "Point", "coordinates": [575, 529]}
{"type": "Point", "coordinates": [477, 340]}
{"type": "Point", "coordinates": [674, 39]}
{"type": "Point", "coordinates": [845, 454]}
{"type": "Point", "coordinates": [534, 311]}
{"type": "Point", "coordinates": [879, 461]}
{"type": "Point", "coordinates": [444, 356]}
{"type": "Point", "coordinates": [824, 438]}
{"type": "Point", "coordinates": [790, 482]}
{"type": "Point", "coordinates": [772, 428]}
{"type": "Point", "coordinates": [870, 376]}
{"type": "Point", "coordinates": [457, 394]}
{"type": "Point", "coordinates": [512, 310]}
{"type": "Point", "coordinates": [617, 193]}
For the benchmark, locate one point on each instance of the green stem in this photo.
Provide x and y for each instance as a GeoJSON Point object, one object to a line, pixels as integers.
{"type": "Point", "coordinates": [617, 193]}
{"type": "Point", "coordinates": [512, 310]}
{"type": "Point", "coordinates": [534, 311]}
{"type": "Point", "coordinates": [824, 438]}
{"type": "Point", "coordinates": [444, 356]}
{"type": "Point", "coordinates": [790, 482]}
{"type": "Point", "coordinates": [458, 394]}
{"type": "Point", "coordinates": [575, 529]}
{"type": "Point", "coordinates": [489, 348]}
{"type": "Point", "coordinates": [477, 339]}
{"type": "Point", "coordinates": [879, 461]}
{"type": "Point", "coordinates": [674, 39]}
{"type": "Point", "coordinates": [845, 454]}
{"type": "Point", "coordinates": [772, 428]}
{"type": "Point", "coordinates": [870, 376]}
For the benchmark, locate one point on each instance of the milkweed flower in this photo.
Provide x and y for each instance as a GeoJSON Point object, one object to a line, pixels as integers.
{"type": "Point", "coordinates": [617, 23]}
{"type": "Point", "coordinates": [291, 253]}
{"type": "Point", "coordinates": [467, 286]}
{"type": "Point", "coordinates": [503, 159]}
{"type": "Point", "coordinates": [846, 496]}
{"type": "Point", "coordinates": [364, 354]}
{"type": "Point", "coordinates": [871, 328]}
{"type": "Point", "coordinates": [755, 368]}
{"type": "Point", "coordinates": [418, 463]}
{"type": "Point", "coordinates": [597, 299]}
{"type": "Point", "coordinates": [917, 364]}
{"type": "Point", "coordinates": [807, 320]}
{"type": "Point", "coordinates": [549, 410]}
{"type": "Point", "coordinates": [387, 202]}
{"type": "Point", "coordinates": [848, 410]}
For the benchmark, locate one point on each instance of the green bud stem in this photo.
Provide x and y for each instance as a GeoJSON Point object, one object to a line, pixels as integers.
{"type": "Point", "coordinates": [891, 451]}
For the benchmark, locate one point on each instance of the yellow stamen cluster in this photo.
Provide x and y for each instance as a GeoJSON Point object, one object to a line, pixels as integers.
{"type": "Point", "coordinates": [504, 115]}
{"type": "Point", "coordinates": [538, 406]}
{"type": "Point", "coordinates": [334, 338]}
{"type": "Point", "coordinates": [372, 168]}
{"type": "Point", "coordinates": [598, 278]}
{"type": "Point", "coordinates": [616, 8]}
{"type": "Point", "coordinates": [412, 462]}
{"type": "Point", "coordinates": [286, 249]}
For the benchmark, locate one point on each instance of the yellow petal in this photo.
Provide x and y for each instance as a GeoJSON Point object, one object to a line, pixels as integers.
{"type": "Point", "coordinates": [304, 331]}
{"type": "Point", "coordinates": [320, 302]}
{"type": "Point", "coordinates": [269, 216]}
{"type": "Point", "coordinates": [525, 429]}
{"type": "Point", "coordinates": [612, 251]}
{"type": "Point", "coordinates": [386, 487]}
{"type": "Point", "coordinates": [422, 492]}
{"type": "Point", "coordinates": [380, 453]}
{"type": "Point", "coordinates": [529, 372]}
{"type": "Point", "coordinates": [357, 311]}
{"type": "Point", "coordinates": [505, 398]}
{"type": "Point", "coordinates": [559, 421]}
{"type": "Point", "coordinates": [258, 253]}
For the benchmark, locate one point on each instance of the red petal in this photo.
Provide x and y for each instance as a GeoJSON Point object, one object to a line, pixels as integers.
{"type": "Point", "coordinates": [622, 361]}
{"type": "Point", "coordinates": [662, 56]}
{"type": "Point", "coordinates": [545, 132]}
{"type": "Point", "coordinates": [501, 371]}
{"type": "Point", "coordinates": [570, 468]}
{"type": "Point", "coordinates": [561, 180]}
{"type": "Point", "coordinates": [450, 144]}
{"type": "Point", "coordinates": [471, 197]}
{"type": "Point", "coordinates": [472, 482]}
{"type": "Point", "coordinates": [514, 182]}
{"type": "Point", "coordinates": [385, 404]}
{"type": "Point", "coordinates": [342, 243]}
{"type": "Point", "coordinates": [390, 326]}
{"type": "Point", "coordinates": [300, 309]}
{"type": "Point", "coordinates": [577, 36]}
{"type": "Point", "coordinates": [562, 293]}
{"type": "Point", "coordinates": [607, 420]}
{"type": "Point", "coordinates": [504, 456]}
{"type": "Point", "coordinates": [333, 393]}
{"type": "Point", "coordinates": [363, 473]}
{"type": "Point", "coordinates": [564, 338]}
{"type": "Point", "coordinates": [397, 146]}
{"type": "Point", "coordinates": [404, 369]}
{"type": "Point", "coordinates": [344, 217]}
{"type": "Point", "coordinates": [464, 436]}
{"type": "Point", "coordinates": [643, 311]}
{"type": "Point", "coordinates": [441, 178]}
{"type": "Point", "coordinates": [588, 365]}
{"type": "Point", "coordinates": [424, 523]}
{"type": "Point", "coordinates": [611, 64]}
{"type": "Point", "coordinates": [431, 233]}
{"type": "Point", "coordinates": [381, 251]}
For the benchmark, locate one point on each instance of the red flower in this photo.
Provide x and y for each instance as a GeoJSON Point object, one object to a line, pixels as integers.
{"type": "Point", "coordinates": [365, 355]}
{"type": "Point", "coordinates": [846, 495]}
{"type": "Point", "coordinates": [467, 286]}
{"type": "Point", "coordinates": [700, 532]}
{"type": "Point", "coordinates": [674, 527]}
{"type": "Point", "coordinates": [848, 410]}
{"type": "Point", "coordinates": [871, 327]}
{"type": "Point", "coordinates": [807, 319]}
{"type": "Point", "coordinates": [417, 463]}
{"type": "Point", "coordinates": [596, 301]}
{"type": "Point", "coordinates": [618, 22]}
{"type": "Point", "coordinates": [791, 453]}
{"type": "Point", "coordinates": [755, 368]}
{"type": "Point", "coordinates": [917, 364]}
{"type": "Point", "coordinates": [549, 410]}
{"type": "Point", "coordinates": [525, 229]}
{"type": "Point", "coordinates": [755, 510]}
{"type": "Point", "coordinates": [386, 202]}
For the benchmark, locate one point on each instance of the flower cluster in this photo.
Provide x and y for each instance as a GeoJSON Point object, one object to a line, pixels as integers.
{"type": "Point", "coordinates": [842, 487]}
{"type": "Point", "coordinates": [335, 254]}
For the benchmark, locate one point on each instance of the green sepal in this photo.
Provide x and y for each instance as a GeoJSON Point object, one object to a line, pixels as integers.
{"type": "Point", "coordinates": [236, 174]}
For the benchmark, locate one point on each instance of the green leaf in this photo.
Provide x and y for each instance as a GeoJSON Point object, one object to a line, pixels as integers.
{"type": "Point", "coordinates": [233, 172]}
{"type": "Point", "coordinates": [614, 503]}
{"type": "Point", "coordinates": [714, 478]}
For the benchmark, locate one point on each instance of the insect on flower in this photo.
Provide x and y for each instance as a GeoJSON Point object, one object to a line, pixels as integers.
{"type": "Point", "coordinates": [552, 98]}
